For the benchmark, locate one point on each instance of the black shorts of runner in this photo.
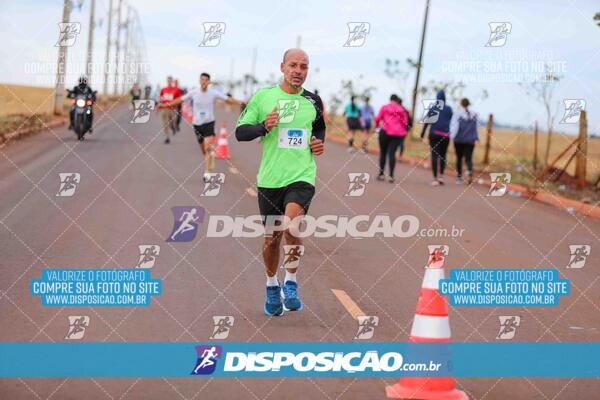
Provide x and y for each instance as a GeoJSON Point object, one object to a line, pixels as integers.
{"type": "Point", "coordinates": [353, 123]}
{"type": "Point", "coordinates": [273, 201]}
{"type": "Point", "coordinates": [204, 130]}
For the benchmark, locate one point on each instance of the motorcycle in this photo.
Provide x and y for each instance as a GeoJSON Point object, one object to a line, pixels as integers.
{"type": "Point", "coordinates": [81, 106]}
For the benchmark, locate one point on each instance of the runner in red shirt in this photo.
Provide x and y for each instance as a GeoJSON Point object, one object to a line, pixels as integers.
{"type": "Point", "coordinates": [178, 118]}
{"type": "Point", "coordinates": [169, 112]}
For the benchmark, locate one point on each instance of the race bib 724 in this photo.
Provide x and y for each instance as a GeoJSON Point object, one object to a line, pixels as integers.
{"type": "Point", "coordinates": [292, 138]}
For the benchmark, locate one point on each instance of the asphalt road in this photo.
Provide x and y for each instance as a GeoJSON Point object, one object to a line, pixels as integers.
{"type": "Point", "coordinates": [129, 182]}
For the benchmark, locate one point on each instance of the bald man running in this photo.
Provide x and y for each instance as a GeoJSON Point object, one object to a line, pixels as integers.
{"type": "Point", "coordinates": [289, 122]}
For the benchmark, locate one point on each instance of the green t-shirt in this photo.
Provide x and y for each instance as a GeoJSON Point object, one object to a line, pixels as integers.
{"type": "Point", "coordinates": [286, 155]}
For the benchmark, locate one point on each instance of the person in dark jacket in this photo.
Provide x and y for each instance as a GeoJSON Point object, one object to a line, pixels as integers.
{"type": "Point", "coordinates": [439, 136]}
{"type": "Point", "coordinates": [463, 132]}
{"type": "Point", "coordinates": [81, 89]}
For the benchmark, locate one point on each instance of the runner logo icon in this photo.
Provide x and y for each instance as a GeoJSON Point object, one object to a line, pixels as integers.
{"type": "Point", "coordinates": [207, 359]}
{"type": "Point", "coordinates": [287, 110]}
{"type": "Point", "coordinates": [147, 256]}
{"type": "Point", "coordinates": [77, 325]}
{"type": "Point", "coordinates": [292, 254]}
{"type": "Point", "coordinates": [185, 224]}
{"type": "Point", "coordinates": [573, 109]}
{"type": "Point", "coordinates": [579, 254]}
{"type": "Point", "coordinates": [508, 326]}
{"type": "Point", "coordinates": [68, 34]}
{"type": "Point", "coordinates": [68, 183]}
{"type": "Point", "coordinates": [212, 34]}
{"type": "Point", "coordinates": [498, 34]}
{"type": "Point", "coordinates": [431, 110]}
{"type": "Point", "coordinates": [141, 111]}
{"type": "Point", "coordinates": [357, 34]}
{"type": "Point", "coordinates": [499, 184]}
{"type": "Point", "coordinates": [437, 255]}
{"type": "Point", "coordinates": [212, 184]}
{"type": "Point", "coordinates": [366, 326]}
{"type": "Point", "coordinates": [223, 324]}
{"type": "Point", "coordinates": [358, 183]}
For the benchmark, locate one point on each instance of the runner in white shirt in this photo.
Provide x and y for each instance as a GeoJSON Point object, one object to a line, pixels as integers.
{"type": "Point", "coordinates": [203, 110]}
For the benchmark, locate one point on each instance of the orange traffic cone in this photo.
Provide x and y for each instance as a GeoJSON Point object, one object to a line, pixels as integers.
{"type": "Point", "coordinates": [222, 146]}
{"type": "Point", "coordinates": [431, 324]}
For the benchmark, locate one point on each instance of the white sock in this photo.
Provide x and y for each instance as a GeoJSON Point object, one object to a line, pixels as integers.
{"type": "Point", "coordinates": [272, 280]}
{"type": "Point", "coordinates": [290, 276]}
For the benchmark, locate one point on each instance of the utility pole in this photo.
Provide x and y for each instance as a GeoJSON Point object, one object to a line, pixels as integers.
{"type": "Point", "coordinates": [416, 88]}
{"type": "Point", "coordinates": [581, 152]}
{"type": "Point", "coordinates": [59, 88]}
{"type": "Point", "coordinates": [298, 41]}
{"type": "Point", "coordinates": [107, 58]}
{"type": "Point", "coordinates": [488, 139]}
{"type": "Point", "coordinates": [127, 59]}
{"type": "Point", "coordinates": [90, 46]}
{"type": "Point", "coordinates": [118, 49]}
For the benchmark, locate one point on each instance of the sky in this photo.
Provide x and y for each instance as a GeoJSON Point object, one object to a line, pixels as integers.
{"type": "Point", "coordinates": [560, 33]}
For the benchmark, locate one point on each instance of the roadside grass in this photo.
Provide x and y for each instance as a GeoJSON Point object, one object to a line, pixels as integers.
{"type": "Point", "coordinates": [510, 151]}
{"type": "Point", "coordinates": [30, 107]}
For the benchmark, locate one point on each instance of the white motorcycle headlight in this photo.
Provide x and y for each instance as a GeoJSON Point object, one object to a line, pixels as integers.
{"type": "Point", "coordinates": [80, 102]}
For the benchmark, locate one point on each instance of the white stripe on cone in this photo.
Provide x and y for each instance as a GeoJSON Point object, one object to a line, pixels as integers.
{"type": "Point", "coordinates": [426, 326]}
{"type": "Point", "coordinates": [432, 278]}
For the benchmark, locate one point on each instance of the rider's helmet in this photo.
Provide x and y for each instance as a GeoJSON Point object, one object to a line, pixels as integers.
{"type": "Point", "coordinates": [82, 81]}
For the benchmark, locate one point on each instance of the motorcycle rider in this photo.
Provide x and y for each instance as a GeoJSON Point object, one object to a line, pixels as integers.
{"type": "Point", "coordinates": [81, 89]}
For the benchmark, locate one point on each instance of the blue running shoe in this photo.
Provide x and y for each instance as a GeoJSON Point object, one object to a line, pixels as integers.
{"type": "Point", "coordinates": [273, 306]}
{"type": "Point", "coordinates": [291, 301]}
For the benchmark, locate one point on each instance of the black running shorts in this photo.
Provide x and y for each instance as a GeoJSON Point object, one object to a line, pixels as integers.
{"type": "Point", "coordinates": [273, 201]}
{"type": "Point", "coordinates": [204, 130]}
{"type": "Point", "coordinates": [353, 123]}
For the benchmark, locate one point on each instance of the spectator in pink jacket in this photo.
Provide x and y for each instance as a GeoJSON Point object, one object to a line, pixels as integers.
{"type": "Point", "coordinates": [393, 121]}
